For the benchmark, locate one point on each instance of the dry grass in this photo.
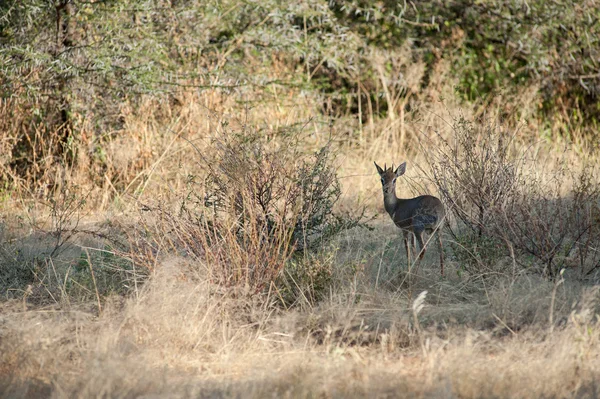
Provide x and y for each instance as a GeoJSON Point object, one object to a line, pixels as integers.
{"type": "Point", "coordinates": [178, 335]}
{"type": "Point", "coordinates": [104, 296]}
{"type": "Point", "coordinates": [182, 338]}
{"type": "Point", "coordinates": [498, 333]}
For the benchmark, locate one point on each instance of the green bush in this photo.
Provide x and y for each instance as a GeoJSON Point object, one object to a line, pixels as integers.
{"type": "Point", "coordinates": [354, 57]}
{"type": "Point", "coordinates": [305, 280]}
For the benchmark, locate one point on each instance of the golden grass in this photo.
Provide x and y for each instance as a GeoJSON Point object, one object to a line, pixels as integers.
{"type": "Point", "coordinates": [179, 336]}
{"type": "Point", "coordinates": [183, 338]}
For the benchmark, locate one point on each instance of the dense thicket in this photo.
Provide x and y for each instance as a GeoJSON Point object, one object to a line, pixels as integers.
{"type": "Point", "coordinates": [69, 66]}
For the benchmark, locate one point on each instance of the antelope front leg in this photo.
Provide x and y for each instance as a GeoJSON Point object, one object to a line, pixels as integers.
{"type": "Point", "coordinates": [407, 245]}
{"type": "Point", "coordinates": [441, 253]}
{"type": "Point", "coordinates": [419, 236]}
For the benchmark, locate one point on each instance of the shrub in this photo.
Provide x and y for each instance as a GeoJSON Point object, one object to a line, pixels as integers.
{"type": "Point", "coordinates": [261, 200]}
{"type": "Point", "coordinates": [473, 171]}
{"type": "Point", "coordinates": [275, 185]}
{"type": "Point", "coordinates": [553, 220]}
{"type": "Point", "coordinates": [306, 280]}
{"type": "Point", "coordinates": [481, 175]}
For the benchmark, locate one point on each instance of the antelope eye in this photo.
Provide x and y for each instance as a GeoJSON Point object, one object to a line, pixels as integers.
{"type": "Point", "coordinates": [382, 181]}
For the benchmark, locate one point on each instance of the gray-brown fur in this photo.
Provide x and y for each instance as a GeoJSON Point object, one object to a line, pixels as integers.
{"type": "Point", "coordinates": [415, 215]}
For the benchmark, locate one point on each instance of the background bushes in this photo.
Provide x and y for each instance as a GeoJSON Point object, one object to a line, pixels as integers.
{"type": "Point", "coordinates": [70, 68]}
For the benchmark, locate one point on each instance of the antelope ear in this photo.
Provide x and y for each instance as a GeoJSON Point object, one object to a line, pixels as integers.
{"type": "Point", "coordinates": [401, 169]}
{"type": "Point", "coordinates": [379, 170]}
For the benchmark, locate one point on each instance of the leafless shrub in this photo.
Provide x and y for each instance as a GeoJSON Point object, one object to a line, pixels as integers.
{"type": "Point", "coordinates": [553, 221]}
{"type": "Point", "coordinates": [53, 233]}
{"type": "Point", "coordinates": [506, 207]}
{"type": "Point", "coordinates": [473, 171]}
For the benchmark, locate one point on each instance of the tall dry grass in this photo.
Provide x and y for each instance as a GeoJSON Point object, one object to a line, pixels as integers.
{"type": "Point", "coordinates": [342, 321]}
{"type": "Point", "coordinates": [182, 338]}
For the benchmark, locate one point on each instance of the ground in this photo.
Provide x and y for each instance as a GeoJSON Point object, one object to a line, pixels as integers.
{"type": "Point", "coordinates": [177, 336]}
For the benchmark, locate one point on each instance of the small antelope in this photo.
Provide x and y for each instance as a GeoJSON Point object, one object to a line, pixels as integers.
{"type": "Point", "coordinates": [414, 215]}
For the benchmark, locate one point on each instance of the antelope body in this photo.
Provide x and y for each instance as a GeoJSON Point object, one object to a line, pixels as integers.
{"type": "Point", "coordinates": [414, 215]}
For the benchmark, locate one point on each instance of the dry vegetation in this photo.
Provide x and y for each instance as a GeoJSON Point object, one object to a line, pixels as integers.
{"type": "Point", "coordinates": [154, 295]}
{"type": "Point", "coordinates": [224, 240]}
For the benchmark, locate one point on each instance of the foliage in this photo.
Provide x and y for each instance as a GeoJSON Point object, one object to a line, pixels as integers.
{"type": "Point", "coordinates": [58, 55]}
{"type": "Point", "coordinates": [495, 45]}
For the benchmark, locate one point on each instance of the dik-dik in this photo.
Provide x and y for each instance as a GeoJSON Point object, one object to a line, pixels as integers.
{"type": "Point", "coordinates": [413, 215]}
